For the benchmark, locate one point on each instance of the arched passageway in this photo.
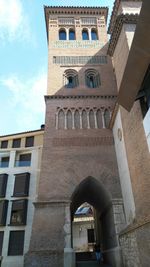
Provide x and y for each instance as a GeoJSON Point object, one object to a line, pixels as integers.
{"type": "Point", "coordinates": [92, 191]}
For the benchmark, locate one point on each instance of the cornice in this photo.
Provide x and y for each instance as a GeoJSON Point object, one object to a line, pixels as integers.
{"type": "Point", "coordinates": [114, 13]}
{"type": "Point", "coordinates": [54, 97]}
{"type": "Point", "coordinates": [121, 19]}
{"type": "Point", "coordinates": [73, 10]}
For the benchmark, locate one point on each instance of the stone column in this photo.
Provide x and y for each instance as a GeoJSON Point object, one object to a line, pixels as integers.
{"type": "Point", "coordinates": [69, 254]}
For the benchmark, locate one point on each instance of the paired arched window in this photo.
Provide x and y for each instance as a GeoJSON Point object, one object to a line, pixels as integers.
{"type": "Point", "coordinates": [94, 34]}
{"type": "Point", "coordinates": [92, 78]}
{"type": "Point", "coordinates": [71, 34]}
{"type": "Point", "coordinates": [62, 34]}
{"type": "Point", "coordinates": [85, 34]}
{"type": "Point", "coordinates": [71, 78]}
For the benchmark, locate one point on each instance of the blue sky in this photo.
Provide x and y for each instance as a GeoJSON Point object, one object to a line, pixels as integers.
{"type": "Point", "coordinates": [23, 61]}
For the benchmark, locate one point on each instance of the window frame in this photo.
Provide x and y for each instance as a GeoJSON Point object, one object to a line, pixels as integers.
{"type": "Point", "coordinates": [3, 184]}
{"type": "Point", "coordinates": [25, 192]}
{"type": "Point", "coordinates": [20, 249]}
{"type": "Point", "coordinates": [16, 143]}
{"type": "Point", "coordinates": [62, 30]}
{"type": "Point", "coordinates": [29, 142]}
{"type": "Point", "coordinates": [4, 142]}
{"type": "Point", "coordinates": [4, 209]}
{"type": "Point", "coordinates": [23, 212]}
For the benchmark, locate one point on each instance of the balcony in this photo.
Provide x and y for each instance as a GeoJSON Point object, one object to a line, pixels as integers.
{"type": "Point", "coordinates": [4, 164]}
{"type": "Point", "coordinates": [22, 163]}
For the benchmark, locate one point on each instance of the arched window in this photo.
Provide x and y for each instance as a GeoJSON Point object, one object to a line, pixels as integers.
{"type": "Point", "coordinates": [92, 78]}
{"type": "Point", "coordinates": [85, 35]}
{"type": "Point", "coordinates": [106, 117]}
{"type": "Point", "coordinates": [84, 119]}
{"type": "Point", "coordinates": [71, 34]}
{"type": "Point", "coordinates": [61, 119]}
{"type": "Point", "coordinates": [62, 34]}
{"type": "Point", "coordinates": [69, 119]}
{"type": "Point", "coordinates": [71, 78]}
{"type": "Point", "coordinates": [94, 34]}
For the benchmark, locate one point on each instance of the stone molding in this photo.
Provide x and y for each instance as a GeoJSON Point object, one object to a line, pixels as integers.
{"type": "Point", "coordinates": [83, 141]}
{"type": "Point", "coordinates": [50, 97]}
{"type": "Point", "coordinates": [121, 19]}
{"type": "Point", "coordinates": [39, 204]}
{"type": "Point", "coordinates": [135, 225]}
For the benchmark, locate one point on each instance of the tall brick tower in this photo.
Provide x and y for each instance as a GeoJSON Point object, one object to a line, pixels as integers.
{"type": "Point", "coordinates": [79, 161]}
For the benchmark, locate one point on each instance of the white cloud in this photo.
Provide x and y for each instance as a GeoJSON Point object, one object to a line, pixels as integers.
{"type": "Point", "coordinates": [13, 21]}
{"type": "Point", "coordinates": [26, 99]}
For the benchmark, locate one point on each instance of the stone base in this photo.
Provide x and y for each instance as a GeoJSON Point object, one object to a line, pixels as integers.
{"type": "Point", "coordinates": [69, 258]}
{"type": "Point", "coordinates": [113, 257]}
{"type": "Point", "coordinates": [44, 259]}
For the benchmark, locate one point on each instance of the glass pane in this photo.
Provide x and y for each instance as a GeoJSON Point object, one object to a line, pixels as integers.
{"type": "Point", "coordinates": [71, 35]}
{"type": "Point", "coordinates": [94, 35]}
{"type": "Point", "coordinates": [85, 35]}
{"type": "Point", "coordinates": [62, 35]}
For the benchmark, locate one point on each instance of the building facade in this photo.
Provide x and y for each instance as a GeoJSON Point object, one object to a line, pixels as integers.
{"type": "Point", "coordinates": [78, 161]}
{"type": "Point", "coordinates": [96, 140]}
{"type": "Point", "coordinates": [130, 124]}
{"type": "Point", "coordinates": [20, 158]}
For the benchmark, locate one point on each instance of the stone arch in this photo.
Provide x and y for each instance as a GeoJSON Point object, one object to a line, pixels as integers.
{"type": "Point", "coordinates": [92, 78]}
{"type": "Point", "coordinates": [62, 34]}
{"type": "Point", "coordinates": [61, 119]}
{"type": "Point", "coordinates": [71, 78]}
{"type": "Point", "coordinates": [94, 35]}
{"type": "Point", "coordinates": [93, 191]}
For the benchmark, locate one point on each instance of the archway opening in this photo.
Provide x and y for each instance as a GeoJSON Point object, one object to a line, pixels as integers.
{"type": "Point", "coordinates": [91, 194]}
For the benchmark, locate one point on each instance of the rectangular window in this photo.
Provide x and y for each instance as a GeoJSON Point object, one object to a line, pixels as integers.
{"type": "Point", "coordinates": [16, 243]}
{"type": "Point", "coordinates": [29, 141]}
{"type": "Point", "coordinates": [1, 242]}
{"type": "Point", "coordinates": [21, 187]}
{"type": "Point", "coordinates": [4, 144]}
{"type": "Point", "coordinates": [19, 212]}
{"type": "Point", "coordinates": [3, 184]}
{"type": "Point", "coordinates": [90, 234]}
{"type": "Point", "coordinates": [24, 160]}
{"type": "Point", "coordinates": [16, 142]}
{"type": "Point", "coordinates": [4, 162]}
{"type": "Point", "coordinates": [3, 211]}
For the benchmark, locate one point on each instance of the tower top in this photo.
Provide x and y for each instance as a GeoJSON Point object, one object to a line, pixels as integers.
{"type": "Point", "coordinates": [73, 11]}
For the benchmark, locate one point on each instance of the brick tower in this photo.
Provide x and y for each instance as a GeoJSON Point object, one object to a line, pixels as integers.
{"type": "Point", "coordinates": [79, 161]}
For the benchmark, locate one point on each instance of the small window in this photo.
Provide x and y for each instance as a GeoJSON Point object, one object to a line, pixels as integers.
{"type": "Point", "coordinates": [62, 35]}
{"type": "Point", "coordinates": [71, 78]}
{"type": "Point", "coordinates": [94, 34]}
{"type": "Point", "coordinates": [4, 162]}
{"type": "Point", "coordinates": [16, 243]}
{"type": "Point", "coordinates": [19, 212]}
{"type": "Point", "coordinates": [3, 211]}
{"type": "Point", "coordinates": [4, 144]}
{"type": "Point", "coordinates": [92, 78]}
{"type": "Point", "coordinates": [21, 186]}
{"type": "Point", "coordinates": [90, 234]}
{"type": "Point", "coordinates": [71, 34]}
{"type": "Point", "coordinates": [85, 35]}
{"type": "Point", "coordinates": [1, 242]}
{"type": "Point", "coordinates": [29, 141]}
{"type": "Point", "coordinates": [16, 142]}
{"type": "Point", "coordinates": [3, 184]}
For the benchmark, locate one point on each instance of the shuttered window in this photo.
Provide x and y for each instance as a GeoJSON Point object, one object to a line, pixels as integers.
{"type": "Point", "coordinates": [16, 142]}
{"type": "Point", "coordinates": [29, 141]}
{"type": "Point", "coordinates": [3, 184]}
{"type": "Point", "coordinates": [19, 212]}
{"type": "Point", "coordinates": [1, 242]}
{"type": "Point", "coordinates": [3, 211]}
{"type": "Point", "coordinates": [16, 243]}
{"type": "Point", "coordinates": [4, 144]}
{"type": "Point", "coordinates": [21, 186]}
